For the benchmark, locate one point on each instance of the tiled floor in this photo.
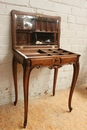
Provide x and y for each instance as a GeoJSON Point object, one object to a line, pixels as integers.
{"type": "Point", "coordinates": [48, 113]}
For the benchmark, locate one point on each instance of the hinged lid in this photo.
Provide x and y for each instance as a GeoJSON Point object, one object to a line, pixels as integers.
{"type": "Point", "coordinates": [35, 30]}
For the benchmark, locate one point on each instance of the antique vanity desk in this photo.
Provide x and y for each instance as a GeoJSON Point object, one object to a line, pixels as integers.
{"type": "Point", "coordinates": [35, 44]}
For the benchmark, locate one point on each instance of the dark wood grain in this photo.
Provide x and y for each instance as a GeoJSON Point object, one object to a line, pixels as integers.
{"type": "Point", "coordinates": [36, 44]}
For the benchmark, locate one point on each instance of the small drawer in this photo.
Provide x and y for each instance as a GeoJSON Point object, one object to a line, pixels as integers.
{"type": "Point", "coordinates": [54, 26]}
{"type": "Point", "coordinates": [50, 26]}
{"type": "Point", "coordinates": [68, 60]}
{"type": "Point", "coordinates": [44, 26]}
{"type": "Point", "coordinates": [38, 25]}
{"type": "Point", "coordinates": [42, 62]}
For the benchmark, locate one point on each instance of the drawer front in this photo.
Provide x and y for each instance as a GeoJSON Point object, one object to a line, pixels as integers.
{"type": "Point", "coordinates": [42, 62]}
{"type": "Point", "coordinates": [68, 60]}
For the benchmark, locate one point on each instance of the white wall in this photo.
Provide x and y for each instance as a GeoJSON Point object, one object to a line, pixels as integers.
{"type": "Point", "coordinates": [73, 38]}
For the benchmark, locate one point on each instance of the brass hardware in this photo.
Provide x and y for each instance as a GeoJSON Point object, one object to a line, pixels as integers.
{"type": "Point", "coordinates": [21, 47]}
{"type": "Point", "coordinates": [53, 47]}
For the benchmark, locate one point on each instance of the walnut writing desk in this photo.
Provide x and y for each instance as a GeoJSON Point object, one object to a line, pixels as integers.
{"type": "Point", "coordinates": [35, 44]}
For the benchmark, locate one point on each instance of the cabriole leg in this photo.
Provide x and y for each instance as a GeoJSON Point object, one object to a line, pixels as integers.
{"type": "Point", "coordinates": [14, 65]}
{"type": "Point", "coordinates": [75, 75]}
{"type": "Point", "coordinates": [26, 73]}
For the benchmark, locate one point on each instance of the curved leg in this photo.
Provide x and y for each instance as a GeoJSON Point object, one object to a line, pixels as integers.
{"type": "Point", "coordinates": [14, 65]}
{"type": "Point", "coordinates": [55, 79]}
{"type": "Point", "coordinates": [75, 75]}
{"type": "Point", "coordinates": [26, 73]}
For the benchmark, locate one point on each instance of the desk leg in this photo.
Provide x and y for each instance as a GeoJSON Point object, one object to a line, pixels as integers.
{"type": "Point", "coordinates": [55, 79]}
{"type": "Point", "coordinates": [26, 74]}
{"type": "Point", "coordinates": [14, 65]}
{"type": "Point", "coordinates": [75, 75]}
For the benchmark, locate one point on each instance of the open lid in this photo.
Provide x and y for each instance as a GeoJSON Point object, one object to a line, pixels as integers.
{"type": "Point", "coordinates": [34, 30]}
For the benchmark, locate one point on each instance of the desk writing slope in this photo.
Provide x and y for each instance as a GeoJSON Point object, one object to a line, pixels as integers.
{"type": "Point", "coordinates": [36, 44]}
